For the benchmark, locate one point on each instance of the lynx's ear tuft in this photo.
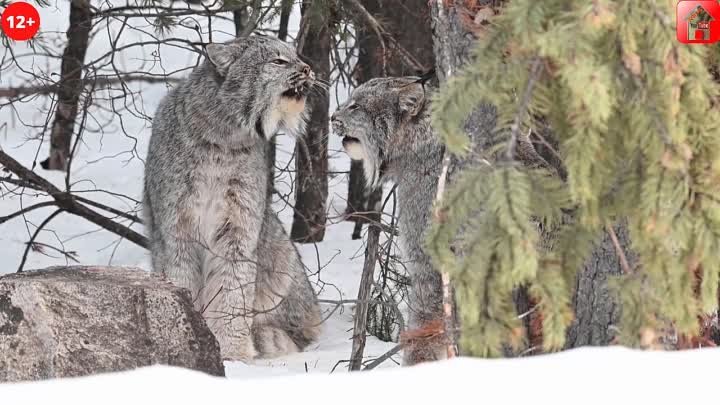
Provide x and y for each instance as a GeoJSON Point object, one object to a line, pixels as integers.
{"type": "Point", "coordinates": [412, 99]}
{"type": "Point", "coordinates": [221, 56]}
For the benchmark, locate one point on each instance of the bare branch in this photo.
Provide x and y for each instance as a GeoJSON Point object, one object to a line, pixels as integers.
{"type": "Point", "coordinates": [43, 90]}
{"type": "Point", "coordinates": [26, 210]}
{"type": "Point", "coordinates": [34, 236]}
{"type": "Point", "coordinates": [67, 201]}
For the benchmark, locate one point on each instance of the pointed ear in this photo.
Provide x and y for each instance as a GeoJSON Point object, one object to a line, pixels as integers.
{"type": "Point", "coordinates": [221, 56]}
{"type": "Point", "coordinates": [411, 98]}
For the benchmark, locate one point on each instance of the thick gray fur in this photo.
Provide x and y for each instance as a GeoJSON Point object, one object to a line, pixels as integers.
{"type": "Point", "coordinates": [390, 121]}
{"type": "Point", "coordinates": [208, 217]}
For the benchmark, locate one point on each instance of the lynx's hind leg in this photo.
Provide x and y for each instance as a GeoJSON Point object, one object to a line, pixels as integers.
{"type": "Point", "coordinates": [287, 307]}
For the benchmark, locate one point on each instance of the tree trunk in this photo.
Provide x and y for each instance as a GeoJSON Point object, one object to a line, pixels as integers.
{"type": "Point", "coordinates": [285, 10]}
{"type": "Point", "coordinates": [311, 153]}
{"type": "Point", "coordinates": [408, 22]}
{"type": "Point", "coordinates": [70, 85]}
{"type": "Point", "coordinates": [361, 309]}
{"type": "Point", "coordinates": [596, 309]}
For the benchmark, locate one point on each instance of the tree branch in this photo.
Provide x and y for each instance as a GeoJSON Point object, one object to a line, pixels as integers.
{"type": "Point", "coordinates": [69, 203]}
{"type": "Point", "coordinates": [34, 236]}
{"type": "Point", "coordinates": [43, 90]}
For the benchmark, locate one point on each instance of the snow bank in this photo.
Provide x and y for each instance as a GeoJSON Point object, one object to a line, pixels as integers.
{"type": "Point", "coordinates": [582, 376]}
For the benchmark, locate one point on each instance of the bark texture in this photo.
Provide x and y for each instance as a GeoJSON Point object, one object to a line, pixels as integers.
{"type": "Point", "coordinates": [77, 321]}
{"type": "Point", "coordinates": [596, 307]}
{"type": "Point", "coordinates": [70, 85]}
{"type": "Point", "coordinates": [311, 153]}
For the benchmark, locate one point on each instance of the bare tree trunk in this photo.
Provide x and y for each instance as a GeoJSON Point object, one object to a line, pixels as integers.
{"type": "Point", "coordinates": [285, 10]}
{"type": "Point", "coordinates": [311, 156]}
{"type": "Point", "coordinates": [596, 309]}
{"type": "Point", "coordinates": [408, 22]}
{"type": "Point", "coordinates": [361, 309]}
{"type": "Point", "coordinates": [240, 19]}
{"type": "Point", "coordinates": [70, 85]}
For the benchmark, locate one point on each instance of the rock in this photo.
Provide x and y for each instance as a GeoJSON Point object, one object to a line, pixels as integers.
{"type": "Point", "coordinates": [75, 321]}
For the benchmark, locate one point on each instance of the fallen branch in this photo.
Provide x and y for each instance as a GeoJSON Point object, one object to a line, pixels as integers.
{"type": "Point", "coordinates": [384, 357]}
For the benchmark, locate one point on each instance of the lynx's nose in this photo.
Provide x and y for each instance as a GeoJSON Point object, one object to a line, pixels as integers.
{"type": "Point", "coordinates": [305, 69]}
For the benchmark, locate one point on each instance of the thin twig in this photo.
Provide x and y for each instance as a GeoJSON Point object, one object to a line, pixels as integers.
{"type": "Point", "coordinates": [26, 210]}
{"type": "Point", "coordinates": [384, 357]}
{"type": "Point", "coordinates": [618, 249]}
{"type": "Point", "coordinates": [34, 236]}
{"type": "Point", "coordinates": [446, 287]}
{"type": "Point", "coordinates": [522, 109]}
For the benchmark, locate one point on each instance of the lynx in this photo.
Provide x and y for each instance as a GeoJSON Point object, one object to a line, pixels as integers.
{"type": "Point", "coordinates": [386, 124]}
{"type": "Point", "coordinates": [209, 220]}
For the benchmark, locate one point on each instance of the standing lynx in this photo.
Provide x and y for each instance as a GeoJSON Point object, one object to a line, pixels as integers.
{"type": "Point", "coordinates": [210, 223]}
{"type": "Point", "coordinates": [386, 124]}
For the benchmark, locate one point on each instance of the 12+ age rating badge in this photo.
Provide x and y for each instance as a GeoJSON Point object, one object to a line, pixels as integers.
{"type": "Point", "coordinates": [20, 21]}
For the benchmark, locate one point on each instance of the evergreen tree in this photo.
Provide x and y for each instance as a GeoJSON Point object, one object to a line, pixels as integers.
{"type": "Point", "coordinates": [631, 110]}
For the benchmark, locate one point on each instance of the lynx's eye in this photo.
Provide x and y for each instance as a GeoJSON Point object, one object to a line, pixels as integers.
{"type": "Point", "coordinates": [352, 107]}
{"type": "Point", "coordinates": [279, 62]}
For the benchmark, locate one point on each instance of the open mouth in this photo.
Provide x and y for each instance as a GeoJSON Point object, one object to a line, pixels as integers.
{"type": "Point", "coordinates": [349, 141]}
{"type": "Point", "coordinates": [298, 92]}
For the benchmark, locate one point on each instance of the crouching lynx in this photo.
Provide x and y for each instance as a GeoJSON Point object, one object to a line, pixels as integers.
{"type": "Point", "coordinates": [211, 227]}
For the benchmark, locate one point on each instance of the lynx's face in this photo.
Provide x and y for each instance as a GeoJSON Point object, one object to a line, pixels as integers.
{"type": "Point", "coordinates": [373, 119]}
{"type": "Point", "coordinates": [264, 82]}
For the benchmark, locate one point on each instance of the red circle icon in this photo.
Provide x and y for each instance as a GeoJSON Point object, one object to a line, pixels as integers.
{"type": "Point", "coordinates": [20, 21]}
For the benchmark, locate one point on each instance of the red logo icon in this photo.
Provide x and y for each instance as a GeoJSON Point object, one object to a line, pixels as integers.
{"type": "Point", "coordinates": [698, 22]}
{"type": "Point", "coordinates": [20, 21]}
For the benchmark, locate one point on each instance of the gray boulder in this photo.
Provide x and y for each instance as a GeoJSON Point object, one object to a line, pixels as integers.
{"type": "Point", "coordinates": [75, 321]}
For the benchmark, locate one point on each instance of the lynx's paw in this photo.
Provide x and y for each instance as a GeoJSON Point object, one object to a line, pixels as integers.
{"type": "Point", "coordinates": [237, 348]}
{"type": "Point", "coordinates": [273, 342]}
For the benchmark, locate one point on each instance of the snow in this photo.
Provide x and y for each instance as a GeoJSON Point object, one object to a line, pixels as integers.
{"type": "Point", "coordinates": [582, 376]}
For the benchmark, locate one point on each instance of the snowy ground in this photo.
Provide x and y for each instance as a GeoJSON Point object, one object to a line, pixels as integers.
{"type": "Point", "coordinates": [583, 376]}
{"type": "Point", "coordinates": [111, 158]}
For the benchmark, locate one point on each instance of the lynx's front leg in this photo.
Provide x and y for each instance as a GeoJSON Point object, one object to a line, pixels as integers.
{"type": "Point", "coordinates": [230, 274]}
